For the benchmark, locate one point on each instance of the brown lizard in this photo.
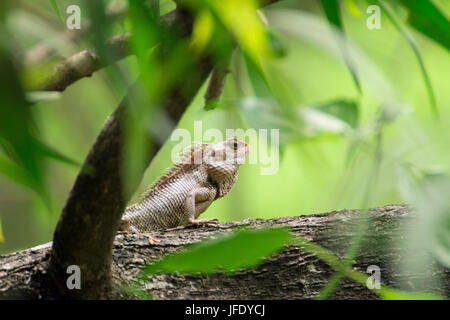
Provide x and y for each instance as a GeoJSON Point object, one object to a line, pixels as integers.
{"type": "Point", "coordinates": [206, 173]}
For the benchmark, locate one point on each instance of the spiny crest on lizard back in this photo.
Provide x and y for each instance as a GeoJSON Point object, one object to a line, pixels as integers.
{"type": "Point", "coordinates": [194, 153]}
{"type": "Point", "coordinates": [184, 164]}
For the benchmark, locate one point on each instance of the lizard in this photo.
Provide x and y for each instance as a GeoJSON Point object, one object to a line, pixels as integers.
{"type": "Point", "coordinates": [205, 173]}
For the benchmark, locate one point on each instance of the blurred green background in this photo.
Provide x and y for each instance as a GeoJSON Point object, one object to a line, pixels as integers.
{"type": "Point", "coordinates": [316, 173]}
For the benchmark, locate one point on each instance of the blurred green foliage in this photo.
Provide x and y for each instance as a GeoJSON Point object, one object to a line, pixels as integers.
{"type": "Point", "coordinates": [241, 249]}
{"type": "Point", "coordinates": [343, 96]}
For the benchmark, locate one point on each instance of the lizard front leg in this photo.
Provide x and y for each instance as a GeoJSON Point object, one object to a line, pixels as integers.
{"type": "Point", "coordinates": [124, 225]}
{"type": "Point", "coordinates": [196, 202]}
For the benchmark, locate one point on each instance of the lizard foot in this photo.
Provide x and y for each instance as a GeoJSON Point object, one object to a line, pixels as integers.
{"type": "Point", "coordinates": [124, 225]}
{"type": "Point", "coordinates": [152, 240]}
{"type": "Point", "coordinates": [201, 222]}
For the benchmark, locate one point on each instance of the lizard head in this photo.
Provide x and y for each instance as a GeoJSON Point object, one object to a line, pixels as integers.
{"type": "Point", "coordinates": [230, 151]}
{"type": "Point", "coordinates": [222, 162]}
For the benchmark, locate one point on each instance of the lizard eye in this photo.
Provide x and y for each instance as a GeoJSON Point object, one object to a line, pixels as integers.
{"type": "Point", "coordinates": [235, 145]}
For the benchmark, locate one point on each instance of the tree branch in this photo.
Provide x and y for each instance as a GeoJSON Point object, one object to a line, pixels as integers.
{"type": "Point", "coordinates": [44, 51]}
{"type": "Point", "coordinates": [290, 274]}
{"type": "Point", "coordinates": [81, 65]}
{"type": "Point", "coordinates": [86, 62]}
{"type": "Point", "coordinates": [216, 83]}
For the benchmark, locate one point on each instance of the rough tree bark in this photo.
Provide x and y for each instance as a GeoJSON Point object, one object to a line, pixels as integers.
{"type": "Point", "coordinates": [289, 274]}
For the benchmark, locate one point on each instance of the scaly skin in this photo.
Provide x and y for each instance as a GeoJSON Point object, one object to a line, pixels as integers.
{"type": "Point", "coordinates": [206, 173]}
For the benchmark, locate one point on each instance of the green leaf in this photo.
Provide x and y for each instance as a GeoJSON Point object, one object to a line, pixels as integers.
{"type": "Point", "coordinates": [427, 191]}
{"type": "Point", "coordinates": [352, 8]}
{"type": "Point", "coordinates": [440, 240]}
{"type": "Point", "coordinates": [145, 28]}
{"type": "Point", "coordinates": [18, 130]}
{"type": "Point", "coordinates": [359, 277]}
{"type": "Point", "coordinates": [331, 8]}
{"type": "Point", "coordinates": [241, 18]}
{"type": "Point", "coordinates": [394, 294]}
{"type": "Point", "coordinates": [425, 17]}
{"type": "Point", "coordinates": [335, 116]}
{"type": "Point", "coordinates": [51, 153]}
{"type": "Point", "coordinates": [56, 9]}
{"type": "Point", "coordinates": [258, 80]}
{"type": "Point", "coordinates": [277, 46]}
{"type": "Point", "coordinates": [265, 113]}
{"type": "Point", "coordinates": [15, 173]}
{"type": "Point", "coordinates": [416, 51]}
{"type": "Point", "coordinates": [433, 190]}
{"type": "Point", "coordinates": [202, 30]}
{"type": "Point", "coordinates": [310, 28]}
{"type": "Point", "coordinates": [101, 29]}
{"type": "Point", "coordinates": [300, 122]}
{"type": "Point", "coordinates": [242, 249]}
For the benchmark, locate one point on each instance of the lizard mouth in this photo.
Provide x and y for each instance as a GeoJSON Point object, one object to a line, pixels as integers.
{"type": "Point", "coordinates": [247, 148]}
{"type": "Point", "coordinates": [242, 154]}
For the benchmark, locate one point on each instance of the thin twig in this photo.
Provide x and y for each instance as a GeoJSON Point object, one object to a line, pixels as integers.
{"type": "Point", "coordinates": [81, 65]}
{"type": "Point", "coordinates": [216, 83]}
